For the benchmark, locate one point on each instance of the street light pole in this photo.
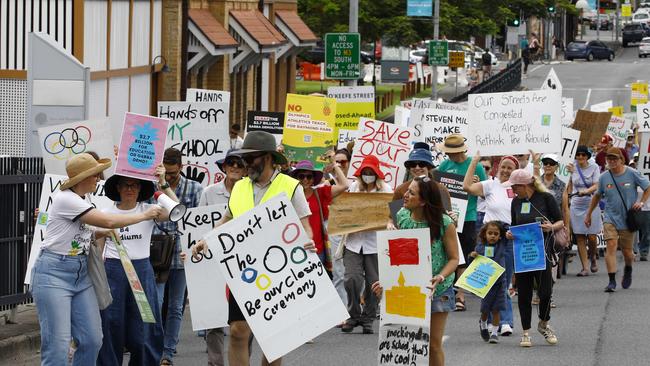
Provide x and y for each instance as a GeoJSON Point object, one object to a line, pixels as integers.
{"type": "Point", "coordinates": [353, 28]}
{"type": "Point", "coordinates": [436, 35]}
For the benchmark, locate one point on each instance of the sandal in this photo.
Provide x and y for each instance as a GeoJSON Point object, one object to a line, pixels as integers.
{"type": "Point", "coordinates": [594, 265]}
{"type": "Point", "coordinates": [583, 273]}
{"type": "Point", "coordinates": [166, 362]}
{"type": "Point", "coordinates": [460, 305]}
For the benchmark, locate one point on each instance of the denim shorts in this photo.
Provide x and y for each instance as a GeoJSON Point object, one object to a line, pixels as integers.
{"type": "Point", "coordinates": [445, 302]}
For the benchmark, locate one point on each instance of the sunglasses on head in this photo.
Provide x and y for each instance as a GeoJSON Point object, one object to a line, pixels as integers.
{"type": "Point", "coordinates": [413, 164]}
{"type": "Point", "coordinates": [302, 176]}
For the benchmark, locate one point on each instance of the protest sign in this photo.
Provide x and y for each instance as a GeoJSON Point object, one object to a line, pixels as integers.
{"type": "Point", "coordinates": [567, 112]}
{"type": "Point", "coordinates": [271, 122]}
{"type": "Point", "coordinates": [389, 143]}
{"type": "Point", "coordinates": [61, 142]}
{"type": "Point", "coordinates": [352, 212]}
{"type": "Point", "coordinates": [283, 290]}
{"type": "Point", "coordinates": [433, 125]}
{"type": "Point", "coordinates": [552, 82]}
{"type": "Point", "coordinates": [200, 132]}
{"type": "Point", "coordinates": [570, 138]}
{"type": "Point", "coordinates": [639, 93]}
{"type": "Point", "coordinates": [402, 115]}
{"type": "Point", "coordinates": [643, 117]}
{"type": "Point", "coordinates": [454, 184]}
{"type": "Point", "coordinates": [404, 258]}
{"type": "Point", "coordinates": [51, 185]}
{"type": "Point", "coordinates": [207, 96]}
{"type": "Point", "coordinates": [528, 245]}
{"type": "Point", "coordinates": [206, 286]}
{"type": "Point", "coordinates": [401, 344]}
{"type": "Point", "coordinates": [592, 126]}
{"type": "Point", "coordinates": [480, 276]}
{"type": "Point", "coordinates": [309, 128]}
{"type": "Point", "coordinates": [643, 166]}
{"type": "Point", "coordinates": [142, 146]}
{"type": "Point", "coordinates": [618, 128]}
{"type": "Point", "coordinates": [515, 122]}
{"type": "Point", "coordinates": [602, 107]}
{"type": "Point", "coordinates": [352, 103]}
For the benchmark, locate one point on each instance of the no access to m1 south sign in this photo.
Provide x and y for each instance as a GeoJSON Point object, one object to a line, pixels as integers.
{"type": "Point", "coordinates": [342, 56]}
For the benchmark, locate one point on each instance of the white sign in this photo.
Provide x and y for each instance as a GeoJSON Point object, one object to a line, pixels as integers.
{"type": "Point", "coordinates": [570, 138]}
{"type": "Point", "coordinates": [433, 125]}
{"type": "Point", "coordinates": [567, 112]}
{"type": "Point", "coordinates": [402, 115]}
{"type": "Point", "coordinates": [643, 166]}
{"type": "Point", "coordinates": [206, 286]}
{"type": "Point", "coordinates": [643, 117]}
{"type": "Point", "coordinates": [284, 291]}
{"type": "Point", "coordinates": [208, 96]}
{"type": "Point", "coordinates": [51, 184]}
{"type": "Point", "coordinates": [602, 107]}
{"type": "Point", "coordinates": [61, 142]}
{"type": "Point", "coordinates": [389, 143]}
{"type": "Point", "coordinates": [401, 344]}
{"type": "Point", "coordinates": [617, 129]}
{"type": "Point", "coordinates": [200, 132]}
{"type": "Point", "coordinates": [552, 82]}
{"type": "Point", "coordinates": [404, 258]}
{"type": "Point", "coordinates": [515, 122]}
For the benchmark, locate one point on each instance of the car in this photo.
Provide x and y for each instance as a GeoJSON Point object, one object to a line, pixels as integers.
{"type": "Point", "coordinates": [417, 55]}
{"type": "Point", "coordinates": [590, 51]}
{"type": "Point", "coordinates": [644, 47]}
{"type": "Point", "coordinates": [478, 55]}
{"type": "Point", "coordinates": [633, 32]}
{"type": "Point", "coordinates": [605, 23]}
{"type": "Point", "coordinates": [646, 29]}
{"type": "Point", "coordinates": [640, 17]}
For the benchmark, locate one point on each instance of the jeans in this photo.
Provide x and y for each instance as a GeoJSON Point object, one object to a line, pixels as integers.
{"type": "Point", "coordinates": [176, 293]}
{"type": "Point", "coordinates": [338, 269]}
{"type": "Point", "coordinates": [506, 315]}
{"type": "Point", "coordinates": [121, 321]}
{"type": "Point", "coordinates": [361, 269]}
{"type": "Point", "coordinates": [644, 233]}
{"type": "Point", "coordinates": [67, 309]}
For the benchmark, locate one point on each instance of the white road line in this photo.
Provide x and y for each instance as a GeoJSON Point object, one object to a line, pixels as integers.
{"type": "Point", "coordinates": [536, 67]}
{"type": "Point", "coordinates": [596, 89]}
{"type": "Point", "coordinates": [587, 101]}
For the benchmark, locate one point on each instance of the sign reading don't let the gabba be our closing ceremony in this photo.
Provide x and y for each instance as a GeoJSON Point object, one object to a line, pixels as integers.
{"type": "Point", "coordinates": [283, 290]}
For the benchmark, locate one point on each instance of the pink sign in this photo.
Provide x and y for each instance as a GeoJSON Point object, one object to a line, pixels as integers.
{"type": "Point", "coordinates": [142, 146]}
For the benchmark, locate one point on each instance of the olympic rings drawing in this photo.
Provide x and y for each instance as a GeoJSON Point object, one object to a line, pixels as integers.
{"type": "Point", "coordinates": [72, 140]}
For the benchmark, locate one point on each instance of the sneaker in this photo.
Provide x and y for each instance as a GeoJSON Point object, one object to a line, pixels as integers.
{"type": "Point", "coordinates": [627, 278]}
{"type": "Point", "coordinates": [552, 305]}
{"type": "Point", "coordinates": [644, 258]}
{"type": "Point", "coordinates": [348, 326]}
{"type": "Point", "coordinates": [506, 330]}
{"type": "Point", "coordinates": [485, 333]}
{"type": "Point", "coordinates": [611, 287]}
{"type": "Point", "coordinates": [494, 339]}
{"type": "Point", "coordinates": [525, 341]}
{"type": "Point", "coordinates": [535, 300]}
{"type": "Point", "coordinates": [548, 334]}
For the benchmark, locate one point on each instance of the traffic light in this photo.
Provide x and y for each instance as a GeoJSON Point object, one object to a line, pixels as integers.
{"type": "Point", "coordinates": [551, 9]}
{"type": "Point", "coordinates": [513, 23]}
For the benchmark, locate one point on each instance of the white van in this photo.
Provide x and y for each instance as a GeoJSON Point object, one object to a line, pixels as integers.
{"type": "Point", "coordinates": [641, 17]}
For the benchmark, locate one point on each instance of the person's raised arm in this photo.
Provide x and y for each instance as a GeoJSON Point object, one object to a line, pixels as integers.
{"type": "Point", "coordinates": [342, 183]}
{"type": "Point", "coordinates": [101, 219]}
{"type": "Point", "coordinates": [469, 186]}
{"type": "Point", "coordinates": [160, 173]}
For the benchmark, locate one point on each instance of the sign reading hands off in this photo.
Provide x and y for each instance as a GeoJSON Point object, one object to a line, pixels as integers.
{"type": "Point", "coordinates": [513, 123]}
{"type": "Point", "coordinates": [283, 290]}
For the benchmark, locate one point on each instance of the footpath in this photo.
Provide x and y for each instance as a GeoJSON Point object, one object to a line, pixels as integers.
{"type": "Point", "coordinates": [20, 341]}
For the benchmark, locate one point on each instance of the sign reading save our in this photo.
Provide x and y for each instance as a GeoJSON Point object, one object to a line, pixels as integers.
{"type": "Point", "coordinates": [342, 56]}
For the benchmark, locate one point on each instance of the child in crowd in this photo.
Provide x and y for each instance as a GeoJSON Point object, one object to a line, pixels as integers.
{"type": "Point", "coordinates": [492, 245]}
{"type": "Point", "coordinates": [473, 77]}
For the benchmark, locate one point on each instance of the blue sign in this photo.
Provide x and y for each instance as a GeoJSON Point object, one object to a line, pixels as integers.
{"type": "Point", "coordinates": [419, 8]}
{"type": "Point", "coordinates": [528, 247]}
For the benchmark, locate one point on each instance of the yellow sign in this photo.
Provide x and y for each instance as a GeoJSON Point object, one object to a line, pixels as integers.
{"type": "Point", "coordinates": [639, 93]}
{"type": "Point", "coordinates": [456, 59]}
{"type": "Point", "coordinates": [616, 111]}
{"type": "Point", "coordinates": [626, 10]}
{"type": "Point", "coordinates": [406, 300]}
{"type": "Point", "coordinates": [309, 128]}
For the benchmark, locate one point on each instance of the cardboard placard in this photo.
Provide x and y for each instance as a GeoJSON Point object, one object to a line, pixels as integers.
{"type": "Point", "coordinates": [355, 212]}
{"type": "Point", "coordinates": [142, 146]}
{"type": "Point", "coordinates": [592, 126]}
{"type": "Point", "coordinates": [618, 128]}
{"type": "Point", "coordinates": [459, 198]}
{"type": "Point", "coordinates": [401, 344]}
{"type": "Point", "coordinates": [434, 125]}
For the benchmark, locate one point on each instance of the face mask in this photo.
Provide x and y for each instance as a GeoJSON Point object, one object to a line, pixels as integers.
{"type": "Point", "coordinates": [367, 179]}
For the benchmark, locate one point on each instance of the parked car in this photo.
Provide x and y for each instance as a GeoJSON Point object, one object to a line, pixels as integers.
{"type": "Point", "coordinates": [633, 32]}
{"type": "Point", "coordinates": [644, 47]}
{"type": "Point", "coordinates": [640, 17]}
{"type": "Point", "coordinates": [605, 23]}
{"type": "Point", "coordinates": [589, 51]}
{"type": "Point", "coordinates": [646, 29]}
{"type": "Point", "coordinates": [417, 55]}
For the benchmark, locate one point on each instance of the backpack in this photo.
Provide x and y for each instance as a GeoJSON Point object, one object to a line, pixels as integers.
{"type": "Point", "coordinates": [486, 58]}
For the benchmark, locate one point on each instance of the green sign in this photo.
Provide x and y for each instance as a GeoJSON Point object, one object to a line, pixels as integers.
{"type": "Point", "coordinates": [438, 53]}
{"type": "Point", "coordinates": [342, 56]}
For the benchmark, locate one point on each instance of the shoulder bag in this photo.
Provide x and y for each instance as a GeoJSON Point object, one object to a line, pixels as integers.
{"type": "Point", "coordinates": [326, 243]}
{"type": "Point", "coordinates": [161, 250]}
{"type": "Point", "coordinates": [97, 274]}
{"type": "Point", "coordinates": [561, 237]}
{"type": "Point", "coordinates": [630, 214]}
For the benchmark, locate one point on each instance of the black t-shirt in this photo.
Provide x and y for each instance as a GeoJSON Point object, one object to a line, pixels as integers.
{"type": "Point", "coordinates": [540, 204]}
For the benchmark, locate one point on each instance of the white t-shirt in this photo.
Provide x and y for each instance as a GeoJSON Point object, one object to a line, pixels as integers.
{"type": "Point", "coordinates": [136, 238]}
{"type": "Point", "coordinates": [497, 201]}
{"type": "Point", "coordinates": [65, 233]}
{"type": "Point", "coordinates": [214, 194]}
{"type": "Point", "coordinates": [236, 143]}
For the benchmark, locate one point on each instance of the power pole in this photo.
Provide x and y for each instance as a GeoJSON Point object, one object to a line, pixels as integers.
{"type": "Point", "coordinates": [353, 28]}
{"type": "Point", "coordinates": [436, 35]}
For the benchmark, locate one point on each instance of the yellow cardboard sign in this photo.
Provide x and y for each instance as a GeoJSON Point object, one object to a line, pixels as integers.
{"type": "Point", "coordinates": [456, 59]}
{"type": "Point", "coordinates": [626, 10]}
{"type": "Point", "coordinates": [639, 93]}
{"type": "Point", "coordinates": [309, 128]}
{"type": "Point", "coordinates": [616, 111]}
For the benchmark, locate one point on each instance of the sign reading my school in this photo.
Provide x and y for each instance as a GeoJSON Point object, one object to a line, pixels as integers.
{"type": "Point", "coordinates": [342, 56]}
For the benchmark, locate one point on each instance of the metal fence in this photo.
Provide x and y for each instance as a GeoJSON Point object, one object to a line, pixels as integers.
{"type": "Point", "coordinates": [21, 180]}
{"type": "Point", "coordinates": [506, 80]}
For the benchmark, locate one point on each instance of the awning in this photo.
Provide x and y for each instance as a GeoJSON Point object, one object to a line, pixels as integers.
{"type": "Point", "coordinates": [208, 39]}
{"type": "Point", "coordinates": [259, 38]}
{"type": "Point", "coordinates": [296, 31]}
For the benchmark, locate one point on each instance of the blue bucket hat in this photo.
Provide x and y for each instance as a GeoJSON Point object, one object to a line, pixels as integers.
{"type": "Point", "coordinates": [423, 155]}
{"type": "Point", "coordinates": [229, 153]}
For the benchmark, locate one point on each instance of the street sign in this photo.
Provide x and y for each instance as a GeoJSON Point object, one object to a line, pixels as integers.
{"type": "Point", "coordinates": [456, 59]}
{"type": "Point", "coordinates": [342, 56]}
{"type": "Point", "coordinates": [438, 53]}
{"type": "Point", "coordinates": [639, 93]}
{"type": "Point", "coordinates": [626, 10]}
{"type": "Point", "coordinates": [419, 8]}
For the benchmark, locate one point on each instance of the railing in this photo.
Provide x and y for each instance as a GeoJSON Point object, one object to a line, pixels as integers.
{"type": "Point", "coordinates": [506, 80]}
{"type": "Point", "coordinates": [21, 180]}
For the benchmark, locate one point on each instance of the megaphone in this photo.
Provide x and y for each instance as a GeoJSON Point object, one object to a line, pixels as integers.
{"type": "Point", "coordinates": [176, 210]}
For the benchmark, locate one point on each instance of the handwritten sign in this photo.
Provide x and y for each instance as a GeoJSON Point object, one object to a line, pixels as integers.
{"type": "Point", "coordinates": [356, 212]}
{"type": "Point", "coordinates": [459, 198]}
{"type": "Point", "coordinates": [592, 126]}
{"type": "Point", "coordinates": [567, 112]}
{"type": "Point", "coordinates": [206, 286]}
{"type": "Point", "coordinates": [512, 123]}
{"type": "Point", "coordinates": [51, 185]}
{"type": "Point", "coordinates": [404, 258]}
{"type": "Point", "coordinates": [352, 103]}
{"type": "Point", "coordinates": [200, 132]}
{"type": "Point", "coordinates": [207, 96]}
{"type": "Point", "coordinates": [142, 146]}
{"type": "Point", "coordinates": [570, 138]}
{"type": "Point", "coordinates": [61, 142]}
{"type": "Point", "coordinates": [271, 122]}
{"type": "Point", "coordinates": [643, 166]}
{"type": "Point", "coordinates": [617, 129]}
{"type": "Point", "coordinates": [528, 247]}
{"type": "Point", "coordinates": [389, 143]}
{"type": "Point", "coordinates": [643, 117]}
{"type": "Point", "coordinates": [401, 344]}
{"type": "Point", "coordinates": [433, 125]}
{"type": "Point", "coordinates": [284, 291]}
{"type": "Point", "coordinates": [480, 276]}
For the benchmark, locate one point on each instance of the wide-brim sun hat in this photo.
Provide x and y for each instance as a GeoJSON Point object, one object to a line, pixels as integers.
{"type": "Point", "coordinates": [519, 176]}
{"type": "Point", "coordinates": [615, 151]}
{"type": "Point", "coordinates": [260, 141]}
{"type": "Point", "coordinates": [371, 162]}
{"type": "Point", "coordinates": [306, 165]}
{"type": "Point", "coordinates": [420, 155]}
{"type": "Point", "coordinates": [553, 157]}
{"type": "Point", "coordinates": [230, 153]}
{"type": "Point", "coordinates": [82, 166]}
{"type": "Point", "coordinates": [584, 150]}
{"type": "Point", "coordinates": [147, 188]}
{"type": "Point", "coordinates": [454, 143]}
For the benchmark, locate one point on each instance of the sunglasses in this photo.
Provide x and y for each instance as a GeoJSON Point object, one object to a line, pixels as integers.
{"type": "Point", "coordinates": [413, 164]}
{"type": "Point", "coordinates": [547, 163]}
{"type": "Point", "coordinates": [249, 158]}
{"type": "Point", "coordinates": [235, 163]}
{"type": "Point", "coordinates": [581, 154]}
{"type": "Point", "coordinates": [302, 176]}
{"type": "Point", "coordinates": [131, 186]}
{"type": "Point", "coordinates": [487, 167]}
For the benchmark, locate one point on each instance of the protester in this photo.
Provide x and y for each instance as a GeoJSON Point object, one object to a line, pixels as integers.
{"type": "Point", "coordinates": [172, 291]}
{"type": "Point", "coordinates": [122, 323]}
{"type": "Point", "coordinates": [235, 140]}
{"type": "Point", "coordinates": [607, 142]}
{"type": "Point", "coordinates": [555, 186]}
{"type": "Point", "coordinates": [618, 187]}
{"type": "Point", "coordinates": [492, 244]}
{"type": "Point", "coordinates": [534, 47]}
{"type": "Point", "coordinates": [61, 286]}
{"type": "Point", "coordinates": [360, 256]}
{"type": "Point", "coordinates": [486, 162]}
{"type": "Point", "coordinates": [458, 163]}
{"type": "Point", "coordinates": [631, 147]}
{"type": "Point", "coordinates": [498, 201]}
{"type": "Point", "coordinates": [582, 185]}
{"type": "Point", "coordinates": [423, 209]}
{"type": "Point", "coordinates": [264, 182]}
{"type": "Point", "coordinates": [532, 201]}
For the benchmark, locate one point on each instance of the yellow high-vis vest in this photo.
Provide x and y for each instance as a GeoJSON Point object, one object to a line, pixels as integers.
{"type": "Point", "coordinates": [242, 200]}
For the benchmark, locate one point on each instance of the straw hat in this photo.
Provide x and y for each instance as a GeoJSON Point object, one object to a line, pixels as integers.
{"type": "Point", "coordinates": [82, 166]}
{"type": "Point", "coordinates": [454, 143]}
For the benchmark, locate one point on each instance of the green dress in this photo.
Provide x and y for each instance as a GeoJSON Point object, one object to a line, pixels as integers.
{"type": "Point", "coordinates": [438, 254]}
